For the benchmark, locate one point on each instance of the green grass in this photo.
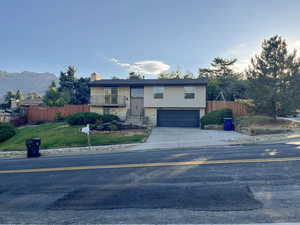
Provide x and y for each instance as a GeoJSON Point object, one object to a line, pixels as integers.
{"type": "Point", "coordinates": [57, 135]}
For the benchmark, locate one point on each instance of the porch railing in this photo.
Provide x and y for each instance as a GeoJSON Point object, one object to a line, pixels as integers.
{"type": "Point", "coordinates": [108, 100]}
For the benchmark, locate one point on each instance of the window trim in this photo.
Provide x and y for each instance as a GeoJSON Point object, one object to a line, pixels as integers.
{"type": "Point", "coordinates": [140, 95]}
{"type": "Point", "coordinates": [188, 94]}
{"type": "Point", "coordinates": [158, 94]}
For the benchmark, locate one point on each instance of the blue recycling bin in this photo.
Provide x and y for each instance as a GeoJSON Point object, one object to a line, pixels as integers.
{"type": "Point", "coordinates": [228, 124]}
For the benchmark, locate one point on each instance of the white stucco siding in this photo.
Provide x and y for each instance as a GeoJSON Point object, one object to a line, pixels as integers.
{"type": "Point", "coordinates": [174, 97]}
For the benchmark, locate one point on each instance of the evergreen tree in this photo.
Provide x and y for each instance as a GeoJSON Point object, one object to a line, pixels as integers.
{"type": "Point", "coordinates": [67, 84]}
{"type": "Point", "coordinates": [9, 96]}
{"type": "Point", "coordinates": [177, 74]}
{"type": "Point", "coordinates": [223, 80]}
{"type": "Point", "coordinates": [70, 91]}
{"type": "Point", "coordinates": [82, 91]}
{"type": "Point", "coordinates": [274, 79]}
{"type": "Point", "coordinates": [19, 96]}
{"type": "Point", "coordinates": [135, 76]}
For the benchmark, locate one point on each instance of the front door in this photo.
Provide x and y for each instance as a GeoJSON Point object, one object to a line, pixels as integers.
{"type": "Point", "coordinates": [136, 101]}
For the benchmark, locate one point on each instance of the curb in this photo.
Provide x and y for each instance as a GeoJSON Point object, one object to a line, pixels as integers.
{"type": "Point", "coordinates": [135, 147]}
{"type": "Point", "coordinates": [70, 151]}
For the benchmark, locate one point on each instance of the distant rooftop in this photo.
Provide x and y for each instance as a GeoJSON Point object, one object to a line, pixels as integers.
{"type": "Point", "coordinates": [146, 82]}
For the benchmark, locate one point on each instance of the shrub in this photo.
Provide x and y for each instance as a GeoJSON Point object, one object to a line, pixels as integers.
{"type": "Point", "coordinates": [112, 127]}
{"type": "Point", "coordinates": [39, 122]}
{"type": "Point", "coordinates": [7, 131]}
{"type": "Point", "coordinates": [216, 117]}
{"type": "Point", "coordinates": [58, 117]}
{"type": "Point", "coordinates": [108, 118]}
{"type": "Point", "coordinates": [83, 118]}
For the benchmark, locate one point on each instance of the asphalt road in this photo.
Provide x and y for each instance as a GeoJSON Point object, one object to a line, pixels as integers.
{"type": "Point", "coordinates": [230, 184]}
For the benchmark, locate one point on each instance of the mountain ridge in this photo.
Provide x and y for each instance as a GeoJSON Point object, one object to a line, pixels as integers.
{"type": "Point", "coordinates": [25, 81]}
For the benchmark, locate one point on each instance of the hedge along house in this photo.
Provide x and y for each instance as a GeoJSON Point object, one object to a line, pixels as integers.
{"type": "Point", "coordinates": [162, 102]}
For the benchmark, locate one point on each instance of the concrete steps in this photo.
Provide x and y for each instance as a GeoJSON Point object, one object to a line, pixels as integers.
{"type": "Point", "coordinates": [136, 120]}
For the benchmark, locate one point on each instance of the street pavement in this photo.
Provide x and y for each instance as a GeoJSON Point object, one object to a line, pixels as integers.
{"type": "Point", "coordinates": [225, 185]}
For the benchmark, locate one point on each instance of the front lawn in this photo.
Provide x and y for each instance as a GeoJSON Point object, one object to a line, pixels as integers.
{"type": "Point", "coordinates": [258, 125]}
{"type": "Point", "coordinates": [263, 121]}
{"type": "Point", "coordinates": [56, 135]}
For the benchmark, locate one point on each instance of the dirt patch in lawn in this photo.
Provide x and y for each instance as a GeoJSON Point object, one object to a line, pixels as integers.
{"type": "Point", "coordinates": [256, 125]}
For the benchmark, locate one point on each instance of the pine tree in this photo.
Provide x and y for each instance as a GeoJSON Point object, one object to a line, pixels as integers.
{"type": "Point", "coordinates": [67, 82]}
{"type": "Point", "coordinates": [274, 79]}
{"type": "Point", "coordinates": [135, 76]}
{"type": "Point", "coordinates": [19, 95]}
{"type": "Point", "coordinates": [223, 80]}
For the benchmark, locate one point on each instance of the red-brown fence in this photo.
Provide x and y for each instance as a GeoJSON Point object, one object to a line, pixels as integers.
{"type": "Point", "coordinates": [238, 108]}
{"type": "Point", "coordinates": [36, 113]}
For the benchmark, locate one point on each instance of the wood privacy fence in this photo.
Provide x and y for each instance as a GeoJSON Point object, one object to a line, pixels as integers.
{"type": "Point", "coordinates": [36, 113]}
{"type": "Point", "coordinates": [238, 108]}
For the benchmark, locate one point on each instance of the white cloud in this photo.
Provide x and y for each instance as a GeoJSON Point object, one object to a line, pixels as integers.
{"type": "Point", "coordinates": [144, 67]}
{"type": "Point", "coordinates": [245, 51]}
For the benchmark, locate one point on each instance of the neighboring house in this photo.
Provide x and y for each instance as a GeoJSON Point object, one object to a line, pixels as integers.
{"type": "Point", "coordinates": [32, 101]}
{"type": "Point", "coordinates": [162, 102]}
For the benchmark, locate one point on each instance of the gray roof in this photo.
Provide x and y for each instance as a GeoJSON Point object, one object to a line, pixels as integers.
{"type": "Point", "coordinates": [146, 82]}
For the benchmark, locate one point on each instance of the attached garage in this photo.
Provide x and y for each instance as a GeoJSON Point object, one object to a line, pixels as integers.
{"type": "Point", "coordinates": [178, 118]}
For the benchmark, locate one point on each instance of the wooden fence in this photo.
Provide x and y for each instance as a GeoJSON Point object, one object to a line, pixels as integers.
{"type": "Point", "coordinates": [36, 113]}
{"type": "Point", "coordinates": [238, 108]}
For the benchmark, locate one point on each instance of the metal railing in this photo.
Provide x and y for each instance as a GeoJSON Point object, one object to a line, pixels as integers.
{"type": "Point", "coordinates": [108, 100]}
{"type": "Point", "coordinates": [140, 116]}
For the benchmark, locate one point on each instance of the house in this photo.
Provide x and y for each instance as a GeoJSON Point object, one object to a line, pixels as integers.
{"type": "Point", "coordinates": [32, 101]}
{"type": "Point", "coordinates": [162, 102]}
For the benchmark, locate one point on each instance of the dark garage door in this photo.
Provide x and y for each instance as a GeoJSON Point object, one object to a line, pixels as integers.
{"type": "Point", "coordinates": [178, 118]}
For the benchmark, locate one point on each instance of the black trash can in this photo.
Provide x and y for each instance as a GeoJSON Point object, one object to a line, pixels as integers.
{"type": "Point", "coordinates": [33, 147]}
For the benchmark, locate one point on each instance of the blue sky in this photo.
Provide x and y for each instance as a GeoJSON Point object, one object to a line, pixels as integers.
{"type": "Point", "coordinates": [113, 37]}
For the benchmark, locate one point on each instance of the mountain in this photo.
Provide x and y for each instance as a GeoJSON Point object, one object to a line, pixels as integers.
{"type": "Point", "coordinates": [26, 82]}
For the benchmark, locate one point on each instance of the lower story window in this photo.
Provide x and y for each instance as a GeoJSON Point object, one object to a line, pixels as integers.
{"type": "Point", "coordinates": [106, 111]}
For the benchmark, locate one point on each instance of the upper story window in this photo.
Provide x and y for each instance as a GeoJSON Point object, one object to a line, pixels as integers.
{"type": "Point", "coordinates": [158, 92]}
{"type": "Point", "coordinates": [137, 92]}
{"type": "Point", "coordinates": [189, 92]}
{"type": "Point", "coordinates": [111, 91]}
{"type": "Point", "coordinates": [111, 95]}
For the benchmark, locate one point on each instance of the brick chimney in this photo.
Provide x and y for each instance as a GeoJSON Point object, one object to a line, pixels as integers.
{"type": "Point", "coordinates": [95, 76]}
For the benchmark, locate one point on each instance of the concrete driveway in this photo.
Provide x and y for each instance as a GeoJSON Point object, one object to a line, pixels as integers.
{"type": "Point", "coordinates": [167, 137]}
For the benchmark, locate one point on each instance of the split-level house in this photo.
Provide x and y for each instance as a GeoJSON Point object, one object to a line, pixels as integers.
{"type": "Point", "coordinates": [161, 102]}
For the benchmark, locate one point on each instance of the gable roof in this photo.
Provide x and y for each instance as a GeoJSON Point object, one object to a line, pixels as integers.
{"type": "Point", "coordinates": [146, 82]}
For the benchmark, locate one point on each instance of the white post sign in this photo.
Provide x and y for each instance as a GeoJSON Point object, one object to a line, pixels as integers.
{"type": "Point", "coordinates": [86, 130]}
